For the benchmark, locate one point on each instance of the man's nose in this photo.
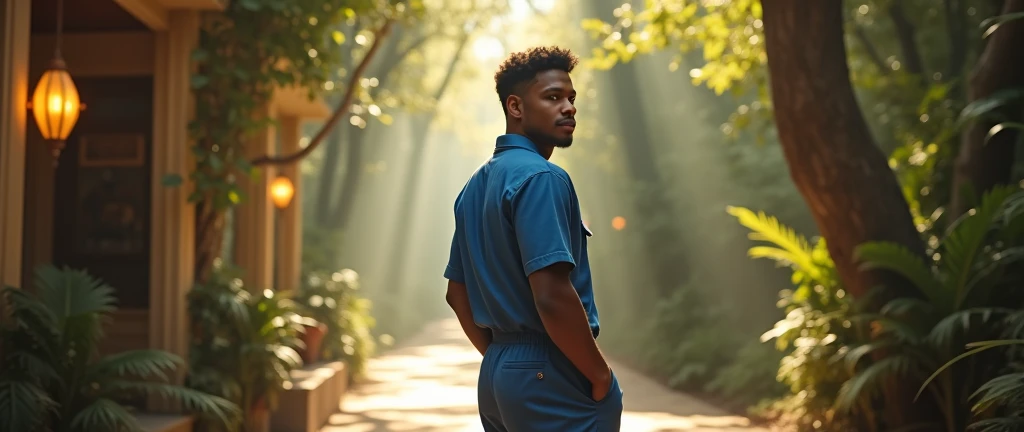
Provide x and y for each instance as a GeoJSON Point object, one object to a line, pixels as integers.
{"type": "Point", "coordinates": [568, 109]}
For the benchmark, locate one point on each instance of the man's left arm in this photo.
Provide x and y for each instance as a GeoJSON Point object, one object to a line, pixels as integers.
{"type": "Point", "coordinates": [458, 299]}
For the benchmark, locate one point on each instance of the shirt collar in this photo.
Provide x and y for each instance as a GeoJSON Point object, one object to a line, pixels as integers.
{"type": "Point", "coordinates": [511, 141]}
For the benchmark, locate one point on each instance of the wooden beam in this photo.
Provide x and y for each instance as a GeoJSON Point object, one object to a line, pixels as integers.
{"type": "Point", "coordinates": [152, 13]}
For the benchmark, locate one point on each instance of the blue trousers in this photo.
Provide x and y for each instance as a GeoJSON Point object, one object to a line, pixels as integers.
{"type": "Point", "coordinates": [527, 385]}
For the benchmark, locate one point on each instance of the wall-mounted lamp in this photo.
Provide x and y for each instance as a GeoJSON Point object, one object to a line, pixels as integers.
{"type": "Point", "coordinates": [282, 191]}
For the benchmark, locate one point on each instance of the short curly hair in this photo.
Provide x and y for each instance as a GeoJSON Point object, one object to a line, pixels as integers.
{"type": "Point", "coordinates": [522, 67]}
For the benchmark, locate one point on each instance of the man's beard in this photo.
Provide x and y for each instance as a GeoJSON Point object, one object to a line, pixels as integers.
{"type": "Point", "coordinates": [548, 139]}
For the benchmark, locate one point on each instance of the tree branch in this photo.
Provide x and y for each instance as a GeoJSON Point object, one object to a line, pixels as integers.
{"type": "Point", "coordinates": [340, 111]}
{"type": "Point", "coordinates": [905, 34]}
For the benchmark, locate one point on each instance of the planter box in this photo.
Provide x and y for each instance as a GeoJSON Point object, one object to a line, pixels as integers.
{"type": "Point", "coordinates": [315, 393]}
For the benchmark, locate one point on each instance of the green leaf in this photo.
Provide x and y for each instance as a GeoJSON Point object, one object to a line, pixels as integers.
{"type": "Point", "coordinates": [105, 415]}
{"type": "Point", "coordinates": [23, 405]}
{"type": "Point", "coordinates": [1001, 127]}
{"type": "Point", "coordinates": [137, 363]}
{"type": "Point", "coordinates": [982, 107]}
{"type": "Point", "coordinates": [897, 258]}
{"type": "Point", "coordinates": [868, 383]}
{"type": "Point", "coordinates": [992, 24]}
{"type": "Point", "coordinates": [251, 5]}
{"type": "Point", "coordinates": [207, 404]}
{"type": "Point", "coordinates": [976, 347]}
{"type": "Point", "coordinates": [171, 180]}
{"type": "Point", "coordinates": [199, 81]}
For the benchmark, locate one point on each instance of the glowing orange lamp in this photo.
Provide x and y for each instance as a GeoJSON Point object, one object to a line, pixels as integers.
{"type": "Point", "coordinates": [619, 223]}
{"type": "Point", "coordinates": [55, 103]}
{"type": "Point", "coordinates": [282, 191]}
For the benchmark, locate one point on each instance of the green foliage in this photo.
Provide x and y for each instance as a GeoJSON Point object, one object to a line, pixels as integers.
{"type": "Point", "coordinates": [243, 346]}
{"type": "Point", "coordinates": [53, 380]}
{"type": "Point", "coordinates": [815, 330]}
{"type": "Point", "coordinates": [331, 299]}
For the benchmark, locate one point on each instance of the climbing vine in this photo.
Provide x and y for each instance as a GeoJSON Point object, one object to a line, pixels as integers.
{"type": "Point", "coordinates": [246, 52]}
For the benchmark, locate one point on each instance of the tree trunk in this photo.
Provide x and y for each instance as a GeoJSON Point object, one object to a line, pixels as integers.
{"type": "Point", "coordinates": [833, 160]}
{"type": "Point", "coordinates": [981, 165]}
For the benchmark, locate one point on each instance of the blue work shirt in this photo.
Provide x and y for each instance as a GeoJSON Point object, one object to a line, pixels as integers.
{"type": "Point", "coordinates": [517, 214]}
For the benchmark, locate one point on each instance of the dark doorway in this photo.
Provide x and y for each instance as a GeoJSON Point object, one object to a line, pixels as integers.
{"type": "Point", "coordinates": [102, 191]}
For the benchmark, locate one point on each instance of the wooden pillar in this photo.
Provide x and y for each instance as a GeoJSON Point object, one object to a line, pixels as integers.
{"type": "Point", "coordinates": [173, 218]}
{"type": "Point", "coordinates": [254, 217]}
{"type": "Point", "coordinates": [15, 16]}
{"type": "Point", "coordinates": [289, 223]}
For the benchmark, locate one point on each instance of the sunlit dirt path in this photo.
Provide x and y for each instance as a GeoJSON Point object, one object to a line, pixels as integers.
{"type": "Point", "coordinates": [428, 384]}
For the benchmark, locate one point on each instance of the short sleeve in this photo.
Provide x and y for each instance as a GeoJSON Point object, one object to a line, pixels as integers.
{"type": "Point", "coordinates": [541, 214]}
{"type": "Point", "coordinates": [454, 271]}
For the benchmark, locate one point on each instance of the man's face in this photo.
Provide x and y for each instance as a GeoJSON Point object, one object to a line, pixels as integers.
{"type": "Point", "coordinates": [548, 111]}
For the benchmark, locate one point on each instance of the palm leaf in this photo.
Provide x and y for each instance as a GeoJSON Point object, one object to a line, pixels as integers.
{"type": "Point", "coordinates": [137, 363]}
{"type": "Point", "coordinates": [105, 415]}
{"type": "Point", "coordinates": [35, 369]}
{"type": "Point", "coordinates": [992, 24]}
{"type": "Point", "coordinates": [990, 274]}
{"type": "Point", "coordinates": [902, 306]}
{"type": "Point", "coordinates": [999, 424]}
{"type": "Point", "coordinates": [974, 348]}
{"type": "Point", "coordinates": [868, 383]}
{"type": "Point", "coordinates": [853, 357]}
{"type": "Point", "coordinates": [77, 301]}
{"type": "Point", "coordinates": [962, 246]}
{"type": "Point", "coordinates": [1002, 390]}
{"type": "Point", "coordinates": [958, 323]}
{"type": "Point", "coordinates": [901, 330]}
{"type": "Point", "coordinates": [899, 259]}
{"type": "Point", "coordinates": [206, 404]}
{"type": "Point", "coordinates": [23, 406]}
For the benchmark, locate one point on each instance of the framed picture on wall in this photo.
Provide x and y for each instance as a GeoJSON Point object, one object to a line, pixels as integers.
{"type": "Point", "coordinates": [112, 150]}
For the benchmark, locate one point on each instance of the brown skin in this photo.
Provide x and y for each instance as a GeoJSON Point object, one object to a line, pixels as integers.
{"type": "Point", "coordinates": [544, 111]}
{"type": "Point", "coordinates": [458, 299]}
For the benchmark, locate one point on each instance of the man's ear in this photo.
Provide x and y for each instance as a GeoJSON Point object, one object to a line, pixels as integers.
{"type": "Point", "coordinates": [515, 106]}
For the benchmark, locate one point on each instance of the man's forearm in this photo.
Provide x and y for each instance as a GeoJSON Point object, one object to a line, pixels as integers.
{"type": "Point", "coordinates": [459, 302]}
{"type": "Point", "coordinates": [566, 323]}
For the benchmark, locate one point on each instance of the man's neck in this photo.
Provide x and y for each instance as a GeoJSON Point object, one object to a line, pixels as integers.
{"type": "Point", "coordinates": [544, 150]}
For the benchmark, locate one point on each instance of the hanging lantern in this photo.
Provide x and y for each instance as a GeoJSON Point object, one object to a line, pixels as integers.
{"type": "Point", "coordinates": [55, 105]}
{"type": "Point", "coordinates": [282, 191]}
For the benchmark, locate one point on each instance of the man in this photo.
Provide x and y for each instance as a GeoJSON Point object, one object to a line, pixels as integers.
{"type": "Point", "coordinates": [518, 275]}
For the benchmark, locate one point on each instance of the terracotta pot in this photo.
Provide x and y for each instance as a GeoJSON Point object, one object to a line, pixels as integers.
{"type": "Point", "coordinates": [313, 337]}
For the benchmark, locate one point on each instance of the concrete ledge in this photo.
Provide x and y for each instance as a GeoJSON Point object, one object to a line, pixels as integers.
{"type": "Point", "coordinates": [311, 396]}
{"type": "Point", "coordinates": [165, 422]}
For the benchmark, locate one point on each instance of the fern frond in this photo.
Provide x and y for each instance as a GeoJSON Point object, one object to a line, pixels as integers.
{"type": "Point", "coordinates": [105, 415]}
{"type": "Point", "coordinates": [868, 383]}
{"type": "Point", "coordinates": [897, 258]}
{"type": "Point", "coordinates": [138, 363]}
{"type": "Point", "coordinates": [990, 274]}
{"type": "Point", "coordinates": [853, 357]}
{"type": "Point", "coordinates": [769, 229]}
{"type": "Point", "coordinates": [24, 406]}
